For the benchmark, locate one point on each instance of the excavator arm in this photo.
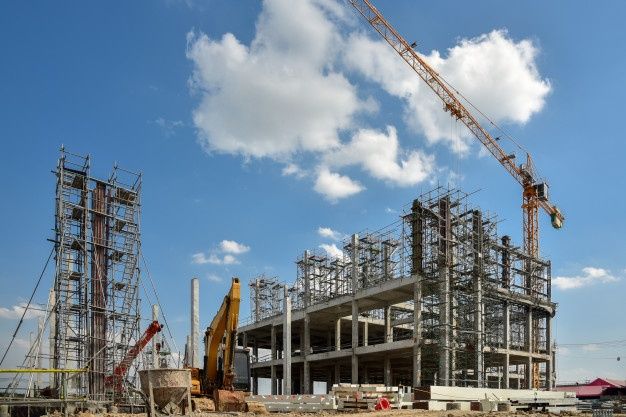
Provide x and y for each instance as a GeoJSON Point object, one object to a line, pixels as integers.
{"type": "Point", "coordinates": [219, 371]}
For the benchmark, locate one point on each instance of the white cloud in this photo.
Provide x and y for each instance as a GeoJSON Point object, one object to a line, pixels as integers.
{"type": "Point", "coordinates": [380, 155]}
{"type": "Point", "coordinates": [288, 93]}
{"type": "Point", "coordinates": [16, 311]}
{"type": "Point", "coordinates": [329, 233]}
{"type": "Point", "coordinates": [214, 278]}
{"type": "Point", "coordinates": [591, 347]}
{"type": "Point", "coordinates": [292, 169]}
{"type": "Point", "coordinates": [279, 95]}
{"type": "Point", "coordinates": [498, 74]}
{"type": "Point", "coordinates": [22, 343]}
{"type": "Point", "coordinates": [389, 210]}
{"type": "Point", "coordinates": [332, 250]}
{"type": "Point", "coordinates": [334, 186]}
{"type": "Point", "coordinates": [589, 276]}
{"type": "Point", "coordinates": [168, 127]}
{"type": "Point", "coordinates": [230, 246]}
{"type": "Point", "coordinates": [562, 350]}
{"type": "Point", "coordinates": [224, 255]}
{"type": "Point", "coordinates": [200, 258]}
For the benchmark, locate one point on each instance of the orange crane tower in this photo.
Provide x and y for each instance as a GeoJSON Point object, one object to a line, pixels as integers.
{"type": "Point", "coordinates": [534, 191]}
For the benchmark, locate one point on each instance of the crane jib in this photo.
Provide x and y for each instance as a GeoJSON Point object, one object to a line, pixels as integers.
{"type": "Point", "coordinates": [523, 174]}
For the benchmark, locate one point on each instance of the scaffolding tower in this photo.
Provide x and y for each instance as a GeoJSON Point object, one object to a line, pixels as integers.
{"type": "Point", "coordinates": [94, 308]}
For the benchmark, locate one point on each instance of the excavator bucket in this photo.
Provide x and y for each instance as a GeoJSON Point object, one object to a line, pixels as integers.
{"type": "Point", "coordinates": [226, 400]}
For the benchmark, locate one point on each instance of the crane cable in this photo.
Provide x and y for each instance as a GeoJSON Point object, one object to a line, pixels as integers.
{"type": "Point", "coordinates": [156, 294]}
{"type": "Point", "coordinates": [19, 324]}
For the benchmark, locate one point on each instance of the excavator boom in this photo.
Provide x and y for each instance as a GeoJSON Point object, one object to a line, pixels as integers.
{"type": "Point", "coordinates": [220, 340]}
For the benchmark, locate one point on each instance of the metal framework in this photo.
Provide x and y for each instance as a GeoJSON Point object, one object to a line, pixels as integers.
{"type": "Point", "coordinates": [94, 309]}
{"type": "Point", "coordinates": [484, 314]}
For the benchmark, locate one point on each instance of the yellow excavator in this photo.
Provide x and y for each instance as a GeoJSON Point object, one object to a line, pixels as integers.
{"type": "Point", "coordinates": [225, 377]}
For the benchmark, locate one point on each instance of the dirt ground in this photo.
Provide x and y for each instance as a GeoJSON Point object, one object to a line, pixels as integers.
{"type": "Point", "coordinates": [390, 413]}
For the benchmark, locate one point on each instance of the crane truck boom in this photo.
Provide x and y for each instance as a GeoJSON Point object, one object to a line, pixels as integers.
{"type": "Point", "coordinates": [120, 371]}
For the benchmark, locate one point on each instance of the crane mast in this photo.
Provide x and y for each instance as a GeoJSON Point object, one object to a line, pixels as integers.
{"type": "Point", "coordinates": [534, 191]}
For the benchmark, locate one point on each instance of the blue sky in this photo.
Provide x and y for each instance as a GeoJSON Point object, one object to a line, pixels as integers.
{"type": "Point", "coordinates": [156, 87]}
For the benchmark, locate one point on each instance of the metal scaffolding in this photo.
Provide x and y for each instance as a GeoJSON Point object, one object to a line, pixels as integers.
{"type": "Point", "coordinates": [484, 305]}
{"type": "Point", "coordinates": [94, 313]}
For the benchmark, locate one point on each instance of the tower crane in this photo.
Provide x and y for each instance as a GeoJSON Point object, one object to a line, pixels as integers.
{"type": "Point", "coordinates": [534, 191]}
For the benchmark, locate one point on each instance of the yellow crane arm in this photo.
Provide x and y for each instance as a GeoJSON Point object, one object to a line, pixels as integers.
{"type": "Point", "coordinates": [223, 328]}
{"type": "Point", "coordinates": [524, 173]}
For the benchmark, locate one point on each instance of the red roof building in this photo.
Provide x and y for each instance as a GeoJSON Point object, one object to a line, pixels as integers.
{"type": "Point", "coordinates": [599, 387]}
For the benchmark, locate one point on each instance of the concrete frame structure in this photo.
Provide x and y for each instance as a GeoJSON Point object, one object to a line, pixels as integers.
{"type": "Point", "coordinates": [437, 298]}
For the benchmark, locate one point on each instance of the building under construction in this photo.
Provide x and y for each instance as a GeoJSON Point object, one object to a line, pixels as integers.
{"type": "Point", "coordinates": [435, 298]}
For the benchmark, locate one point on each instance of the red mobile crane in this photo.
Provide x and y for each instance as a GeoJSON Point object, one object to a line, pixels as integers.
{"type": "Point", "coordinates": [120, 371]}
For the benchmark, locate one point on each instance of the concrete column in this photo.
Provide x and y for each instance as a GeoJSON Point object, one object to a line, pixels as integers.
{"type": "Point", "coordinates": [387, 371]}
{"type": "Point", "coordinates": [388, 328]}
{"type": "Point", "coordinates": [255, 383]}
{"type": "Point", "coordinates": [355, 342]}
{"type": "Point", "coordinates": [256, 301]}
{"type": "Point", "coordinates": [329, 379]}
{"type": "Point", "coordinates": [507, 343]}
{"type": "Point", "coordinates": [272, 366]}
{"type": "Point", "coordinates": [287, 344]}
{"type": "Point", "coordinates": [337, 373]}
{"type": "Point", "coordinates": [307, 388]}
{"type": "Point", "coordinates": [444, 291]}
{"type": "Point", "coordinates": [478, 267]}
{"type": "Point", "coordinates": [300, 381]}
{"type": "Point", "coordinates": [155, 355]}
{"type": "Point", "coordinates": [365, 332]}
{"type": "Point", "coordinates": [195, 322]}
{"type": "Point", "coordinates": [355, 309]}
{"type": "Point", "coordinates": [417, 332]}
{"type": "Point", "coordinates": [255, 350]}
{"type": "Point", "coordinates": [549, 364]}
{"type": "Point", "coordinates": [52, 349]}
{"type": "Point", "coordinates": [187, 357]}
{"type": "Point", "coordinates": [355, 262]}
{"type": "Point", "coordinates": [365, 375]}
{"type": "Point", "coordinates": [529, 340]}
{"type": "Point", "coordinates": [338, 334]}
{"type": "Point", "coordinates": [417, 271]}
{"type": "Point", "coordinates": [307, 280]}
